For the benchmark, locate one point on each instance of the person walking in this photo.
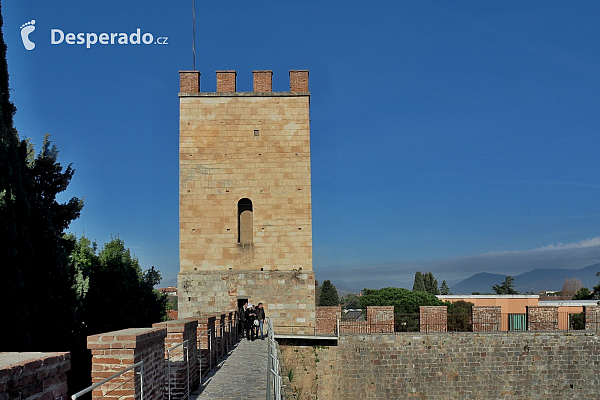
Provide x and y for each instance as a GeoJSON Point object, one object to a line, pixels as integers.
{"type": "Point", "coordinates": [242, 319]}
{"type": "Point", "coordinates": [260, 316]}
{"type": "Point", "coordinates": [250, 317]}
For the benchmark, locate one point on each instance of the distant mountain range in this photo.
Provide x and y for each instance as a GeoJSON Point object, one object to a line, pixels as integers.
{"type": "Point", "coordinates": [533, 281]}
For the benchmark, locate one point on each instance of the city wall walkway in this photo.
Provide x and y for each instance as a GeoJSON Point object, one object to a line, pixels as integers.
{"type": "Point", "coordinates": [241, 375]}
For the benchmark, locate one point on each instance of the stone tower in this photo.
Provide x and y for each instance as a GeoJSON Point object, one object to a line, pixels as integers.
{"type": "Point", "coordinates": [245, 199]}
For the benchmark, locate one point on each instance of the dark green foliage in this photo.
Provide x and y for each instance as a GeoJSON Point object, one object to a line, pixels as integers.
{"type": "Point", "coordinates": [583, 294]}
{"type": "Point", "coordinates": [351, 301]}
{"type": "Point", "coordinates": [403, 300]}
{"type": "Point", "coordinates": [120, 294]}
{"type": "Point", "coordinates": [328, 295]}
{"type": "Point", "coordinates": [506, 287]}
{"type": "Point", "coordinates": [431, 284]}
{"type": "Point", "coordinates": [577, 322]}
{"type": "Point", "coordinates": [425, 283]}
{"type": "Point", "coordinates": [460, 316]}
{"type": "Point", "coordinates": [419, 284]}
{"type": "Point", "coordinates": [444, 289]}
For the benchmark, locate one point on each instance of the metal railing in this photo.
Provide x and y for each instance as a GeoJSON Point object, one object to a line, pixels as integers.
{"type": "Point", "coordinates": [274, 380]}
{"type": "Point", "coordinates": [178, 371]}
{"type": "Point", "coordinates": [123, 387]}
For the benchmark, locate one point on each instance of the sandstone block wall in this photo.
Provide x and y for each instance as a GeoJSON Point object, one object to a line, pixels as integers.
{"type": "Point", "coordinates": [442, 366]}
{"type": "Point", "coordinates": [288, 297]}
{"type": "Point", "coordinates": [249, 150]}
{"type": "Point", "coordinates": [113, 352]}
{"type": "Point", "coordinates": [542, 318]}
{"type": "Point", "coordinates": [34, 376]}
{"type": "Point", "coordinates": [487, 318]}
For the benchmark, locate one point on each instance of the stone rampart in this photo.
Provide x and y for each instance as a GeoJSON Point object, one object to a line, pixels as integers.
{"type": "Point", "coordinates": [442, 366]}
{"type": "Point", "coordinates": [34, 376]}
{"type": "Point", "coordinates": [288, 297]}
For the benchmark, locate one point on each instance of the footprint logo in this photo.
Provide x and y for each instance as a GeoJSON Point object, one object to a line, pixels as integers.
{"type": "Point", "coordinates": [26, 29]}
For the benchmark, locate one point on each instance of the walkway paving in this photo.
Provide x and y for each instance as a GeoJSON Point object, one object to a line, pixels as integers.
{"type": "Point", "coordinates": [241, 375]}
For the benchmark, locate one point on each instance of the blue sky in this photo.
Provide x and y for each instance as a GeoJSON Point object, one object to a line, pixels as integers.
{"type": "Point", "coordinates": [457, 137]}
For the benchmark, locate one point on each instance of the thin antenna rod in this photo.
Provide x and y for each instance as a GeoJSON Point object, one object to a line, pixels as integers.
{"type": "Point", "coordinates": [194, 34]}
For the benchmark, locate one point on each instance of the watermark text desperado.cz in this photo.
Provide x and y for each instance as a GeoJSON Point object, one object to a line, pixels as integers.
{"type": "Point", "coordinates": [57, 36]}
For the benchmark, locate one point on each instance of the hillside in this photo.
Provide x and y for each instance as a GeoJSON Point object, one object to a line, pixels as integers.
{"type": "Point", "coordinates": [532, 281]}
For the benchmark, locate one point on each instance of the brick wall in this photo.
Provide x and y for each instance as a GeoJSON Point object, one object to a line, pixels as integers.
{"type": "Point", "coordinates": [592, 318]}
{"type": "Point", "coordinates": [380, 319]}
{"type": "Point", "coordinates": [433, 318]}
{"type": "Point", "coordinates": [263, 81]}
{"type": "Point", "coordinates": [298, 81]}
{"type": "Point", "coordinates": [442, 366]}
{"type": "Point", "coordinates": [487, 318]}
{"type": "Point", "coordinates": [34, 376]}
{"type": "Point", "coordinates": [113, 352]}
{"type": "Point", "coordinates": [189, 81]}
{"type": "Point", "coordinates": [206, 338]}
{"type": "Point", "coordinates": [542, 318]}
{"type": "Point", "coordinates": [327, 319]}
{"type": "Point", "coordinates": [177, 333]}
{"type": "Point", "coordinates": [226, 81]}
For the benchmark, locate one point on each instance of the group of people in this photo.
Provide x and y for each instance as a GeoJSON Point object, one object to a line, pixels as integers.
{"type": "Point", "coordinates": [252, 320]}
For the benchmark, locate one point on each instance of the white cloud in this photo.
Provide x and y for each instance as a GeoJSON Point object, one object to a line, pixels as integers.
{"type": "Point", "coordinates": [593, 242]}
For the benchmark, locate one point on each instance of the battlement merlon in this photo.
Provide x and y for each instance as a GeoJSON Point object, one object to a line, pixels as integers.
{"type": "Point", "coordinates": [189, 84]}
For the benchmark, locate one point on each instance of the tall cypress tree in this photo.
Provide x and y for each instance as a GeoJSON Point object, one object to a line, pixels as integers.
{"type": "Point", "coordinates": [329, 295]}
{"type": "Point", "coordinates": [419, 284]}
{"type": "Point", "coordinates": [15, 245]}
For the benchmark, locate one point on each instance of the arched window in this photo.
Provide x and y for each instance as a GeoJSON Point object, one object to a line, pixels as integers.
{"type": "Point", "coordinates": [244, 221]}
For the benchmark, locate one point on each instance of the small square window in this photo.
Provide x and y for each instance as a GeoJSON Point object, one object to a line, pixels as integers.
{"type": "Point", "coordinates": [256, 132]}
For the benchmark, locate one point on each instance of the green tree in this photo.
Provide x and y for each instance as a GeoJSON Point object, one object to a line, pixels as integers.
{"type": "Point", "coordinates": [459, 316]}
{"type": "Point", "coordinates": [419, 283]}
{"type": "Point", "coordinates": [403, 300]}
{"type": "Point", "coordinates": [583, 294]}
{"type": "Point", "coordinates": [431, 285]}
{"type": "Point", "coordinates": [444, 289]}
{"type": "Point", "coordinates": [506, 287]}
{"type": "Point", "coordinates": [351, 301]}
{"type": "Point", "coordinates": [120, 294]}
{"type": "Point", "coordinates": [328, 295]}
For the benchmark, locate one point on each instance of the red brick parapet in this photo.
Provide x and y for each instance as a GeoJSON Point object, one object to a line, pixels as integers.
{"type": "Point", "coordinates": [189, 81]}
{"type": "Point", "coordinates": [263, 81]}
{"type": "Point", "coordinates": [298, 81]}
{"type": "Point", "coordinates": [34, 376]}
{"type": "Point", "coordinates": [226, 81]}
{"type": "Point", "coordinates": [542, 318]}
{"type": "Point", "coordinates": [380, 319]}
{"type": "Point", "coordinates": [178, 332]}
{"type": "Point", "coordinates": [113, 352]}
{"type": "Point", "coordinates": [327, 319]}
{"type": "Point", "coordinates": [206, 342]}
{"type": "Point", "coordinates": [592, 318]}
{"type": "Point", "coordinates": [433, 319]}
{"type": "Point", "coordinates": [487, 318]}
